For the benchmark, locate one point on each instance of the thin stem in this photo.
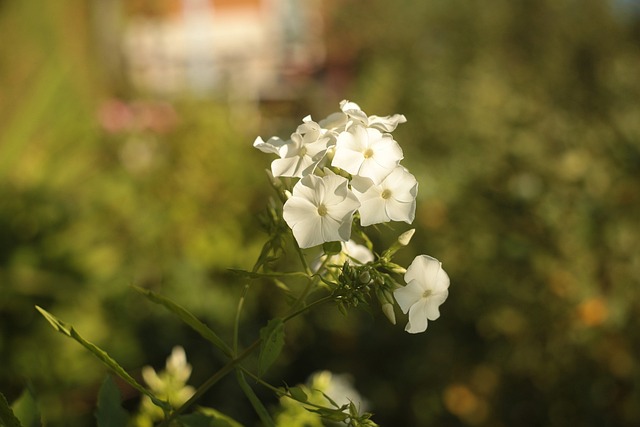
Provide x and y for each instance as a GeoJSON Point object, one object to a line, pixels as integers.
{"type": "Point", "coordinates": [236, 323]}
{"type": "Point", "coordinates": [217, 376]}
{"type": "Point", "coordinates": [308, 307]}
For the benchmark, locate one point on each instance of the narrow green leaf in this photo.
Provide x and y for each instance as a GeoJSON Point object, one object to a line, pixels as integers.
{"type": "Point", "coordinates": [26, 409]}
{"type": "Point", "coordinates": [110, 412]}
{"type": "Point", "coordinates": [187, 318]}
{"type": "Point", "coordinates": [262, 412]}
{"type": "Point", "coordinates": [7, 417]}
{"type": "Point", "coordinates": [272, 337]}
{"type": "Point", "coordinates": [102, 355]}
{"type": "Point", "coordinates": [298, 394]}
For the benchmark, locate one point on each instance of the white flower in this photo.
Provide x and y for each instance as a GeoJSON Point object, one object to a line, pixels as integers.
{"type": "Point", "coordinates": [300, 155]}
{"type": "Point", "coordinates": [339, 387]}
{"type": "Point", "coordinates": [427, 288]}
{"type": "Point", "coordinates": [320, 209]}
{"type": "Point", "coordinates": [169, 384]}
{"type": "Point", "coordinates": [394, 199]}
{"type": "Point", "coordinates": [352, 114]}
{"type": "Point", "coordinates": [367, 152]}
{"type": "Point", "coordinates": [382, 123]}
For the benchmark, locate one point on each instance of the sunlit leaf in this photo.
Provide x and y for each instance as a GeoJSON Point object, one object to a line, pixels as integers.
{"type": "Point", "coordinates": [102, 355]}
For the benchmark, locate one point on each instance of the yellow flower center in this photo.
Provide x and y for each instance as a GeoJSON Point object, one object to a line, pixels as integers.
{"type": "Point", "coordinates": [427, 293]}
{"type": "Point", "coordinates": [322, 210]}
{"type": "Point", "coordinates": [386, 194]}
{"type": "Point", "coordinates": [368, 153]}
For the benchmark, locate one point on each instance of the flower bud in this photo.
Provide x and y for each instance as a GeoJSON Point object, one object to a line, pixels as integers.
{"type": "Point", "coordinates": [405, 237]}
{"type": "Point", "coordinates": [387, 309]}
{"type": "Point", "coordinates": [365, 277]}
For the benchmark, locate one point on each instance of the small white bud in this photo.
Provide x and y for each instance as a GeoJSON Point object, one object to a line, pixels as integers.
{"type": "Point", "coordinates": [387, 309]}
{"type": "Point", "coordinates": [405, 237]}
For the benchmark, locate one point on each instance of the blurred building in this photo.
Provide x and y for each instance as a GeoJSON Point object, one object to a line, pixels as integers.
{"type": "Point", "coordinates": [244, 49]}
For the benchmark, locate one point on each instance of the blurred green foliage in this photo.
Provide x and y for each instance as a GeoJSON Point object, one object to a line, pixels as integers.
{"type": "Point", "coordinates": [522, 130]}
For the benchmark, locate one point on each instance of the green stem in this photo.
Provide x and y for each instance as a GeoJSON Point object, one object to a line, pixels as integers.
{"type": "Point", "coordinates": [217, 376]}
{"type": "Point", "coordinates": [308, 307]}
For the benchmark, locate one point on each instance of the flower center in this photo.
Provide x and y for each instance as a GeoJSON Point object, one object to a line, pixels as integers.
{"type": "Point", "coordinates": [368, 153]}
{"type": "Point", "coordinates": [302, 151]}
{"type": "Point", "coordinates": [386, 193]}
{"type": "Point", "coordinates": [427, 293]}
{"type": "Point", "coordinates": [322, 210]}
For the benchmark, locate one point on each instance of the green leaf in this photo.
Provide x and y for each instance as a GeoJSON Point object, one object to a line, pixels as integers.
{"type": "Point", "coordinates": [7, 417]}
{"type": "Point", "coordinates": [102, 355]}
{"type": "Point", "coordinates": [272, 337]}
{"type": "Point", "coordinates": [26, 410]}
{"type": "Point", "coordinates": [298, 394]}
{"type": "Point", "coordinates": [110, 412]}
{"type": "Point", "coordinates": [208, 417]}
{"type": "Point", "coordinates": [262, 412]}
{"type": "Point", "coordinates": [187, 318]}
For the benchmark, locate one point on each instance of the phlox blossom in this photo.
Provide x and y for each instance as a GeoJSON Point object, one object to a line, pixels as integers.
{"type": "Point", "coordinates": [300, 156]}
{"type": "Point", "coordinates": [427, 288]}
{"type": "Point", "coordinates": [320, 209]}
{"type": "Point", "coordinates": [367, 152]}
{"type": "Point", "coordinates": [394, 199]}
{"type": "Point", "coordinates": [351, 114]}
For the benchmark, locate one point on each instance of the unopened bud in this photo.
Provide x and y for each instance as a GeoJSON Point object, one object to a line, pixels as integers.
{"type": "Point", "coordinates": [405, 237]}
{"type": "Point", "coordinates": [387, 309]}
{"type": "Point", "coordinates": [365, 277]}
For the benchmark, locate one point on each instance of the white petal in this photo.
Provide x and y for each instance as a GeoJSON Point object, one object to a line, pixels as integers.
{"type": "Point", "coordinates": [357, 253]}
{"type": "Point", "coordinates": [373, 170]}
{"type": "Point", "coordinates": [334, 189]}
{"type": "Point", "coordinates": [334, 121]}
{"type": "Point", "coordinates": [271, 146]}
{"type": "Point", "coordinates": [331, 229]}
{"type": "Point", "coordinates": [373, 211]}
{"type": "Point", "coordinates": [347, 159]}
{"type": "Point", "coordinates": [386, 123]}
{"type": "Point", "coordinates": [298, 209]}
{"type": "Point", "coordinates": [306, 188]}
{"type": "Point", "coordinates": [308, 233]}
{"type": "Point", "coordinates": [400, 211]}
{"type": "Point", "coordinates": [428, 272]}
{"type": "Point", "coordinates": [417, 317]}
{"type": "Point", "coordinates": [408, 295]}
{"type": "Point", "coordinates": [286, 167]}
{"type": "Point", "coordinates": [434, 301]}
{"type": "Point", "coordinates": [344, 210]}
{"type": "Point", "coordinates": [403, 184]}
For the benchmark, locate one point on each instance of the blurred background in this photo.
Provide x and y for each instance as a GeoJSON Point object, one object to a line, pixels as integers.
{"type": "Point", "coordinates": [126, 159]}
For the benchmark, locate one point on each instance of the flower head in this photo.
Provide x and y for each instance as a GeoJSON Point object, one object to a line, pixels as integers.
{"type": "Point", "coordinates": [320, 210]}
{"type": "Point", "coordinates": [394, 199]}
{"type": "Point", "coordinates": [427, 288]}
{"type": "Point", "coordinates": [367, 152]}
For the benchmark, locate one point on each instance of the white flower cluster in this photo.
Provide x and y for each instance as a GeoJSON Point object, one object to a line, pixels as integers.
{"type": "Point", "coordinates": [347, 162]}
